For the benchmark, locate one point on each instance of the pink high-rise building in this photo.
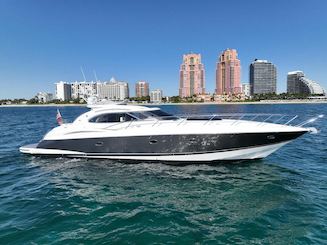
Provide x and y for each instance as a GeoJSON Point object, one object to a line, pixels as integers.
{"type": "Point", "coordinates": [192, 76]}
{"type": "Point", "coordinates": [228, 73]}
{"type": "Point", "coordinates": [141, 89]}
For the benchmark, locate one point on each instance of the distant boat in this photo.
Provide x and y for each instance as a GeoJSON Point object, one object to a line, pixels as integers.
{"type": "Point", "coordinates": [130, 132]}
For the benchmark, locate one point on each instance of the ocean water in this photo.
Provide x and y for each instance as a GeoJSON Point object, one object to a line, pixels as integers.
{"type": "Point", "coordinates": [279, 200]}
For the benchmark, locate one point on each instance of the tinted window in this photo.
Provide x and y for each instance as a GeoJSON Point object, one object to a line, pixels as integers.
{"type": "Point", "coordinates": [160, 113]}
{"type": "Point", "coordinates": [108, 118]}
{"type": "Point", "coordinates": [163, 115]}
{"type": "Point", "coordinates": [139, 115]}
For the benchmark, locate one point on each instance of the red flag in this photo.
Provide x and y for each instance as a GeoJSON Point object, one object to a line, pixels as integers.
{"type": "Point", "coordinates": [59, 118]}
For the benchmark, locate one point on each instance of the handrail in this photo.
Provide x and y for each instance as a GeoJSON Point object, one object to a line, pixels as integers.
{"type": "Point", "coordinates": [311, 120]}
{"type": "Point", "coordinates": [233, 118]}
{"type": "Point", "coordinates": [290, 120]}
{"type": "Point", "coordinates": [238, 117]}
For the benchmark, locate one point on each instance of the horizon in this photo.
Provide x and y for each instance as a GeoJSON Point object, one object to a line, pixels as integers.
{"type": "Point", "coordinates": [43, 42]}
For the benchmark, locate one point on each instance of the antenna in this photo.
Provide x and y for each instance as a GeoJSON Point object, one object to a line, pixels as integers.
{"type": "Point", "coordinates": [95, 75]}
{"type": "Point", "coordinates": [83, 74]}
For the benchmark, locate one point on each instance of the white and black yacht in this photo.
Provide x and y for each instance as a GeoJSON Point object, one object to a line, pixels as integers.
{"type": "Point", "coordinates": [133, 132]}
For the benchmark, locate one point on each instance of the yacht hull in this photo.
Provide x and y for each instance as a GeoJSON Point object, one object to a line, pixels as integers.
{"type": "Point", "coordinates": [183, 148]}
{"type": "Point", "coordinates": [249, 153]}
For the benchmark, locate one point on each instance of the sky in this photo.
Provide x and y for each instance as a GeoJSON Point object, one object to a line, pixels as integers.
{"type": "Point", "coordinates": [42, 42]}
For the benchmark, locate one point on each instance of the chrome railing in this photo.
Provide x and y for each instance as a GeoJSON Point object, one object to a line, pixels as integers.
{"type": "Point", "coordinates": [239, 117]}
{"type": "Point", "coordinates": [232, 118]}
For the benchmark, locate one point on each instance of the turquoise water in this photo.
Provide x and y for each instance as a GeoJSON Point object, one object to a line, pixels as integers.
{"type": "Point", "coordinates": [279, 200]}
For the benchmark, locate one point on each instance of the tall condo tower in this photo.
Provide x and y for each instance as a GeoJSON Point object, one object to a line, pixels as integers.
{"type": "Point", "coordinates": [298, 83]}
{"type": "Point", "coordinates": [63, 91]}
{"type": "Point", "coordinates": [141, 89]}
{"type": "Point", "coordinates": [228, 73]}
{"type": "Point", "coordinates": [192, 76]}
{"type": "Point", "coordinates": [262, 77]}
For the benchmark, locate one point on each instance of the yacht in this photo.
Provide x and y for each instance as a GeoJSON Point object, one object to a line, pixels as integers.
{"type": "Point", "coordinates": [131, 132]}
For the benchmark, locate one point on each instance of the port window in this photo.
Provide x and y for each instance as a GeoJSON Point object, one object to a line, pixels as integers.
{"type": "Point", "coordinates": [112, 118]}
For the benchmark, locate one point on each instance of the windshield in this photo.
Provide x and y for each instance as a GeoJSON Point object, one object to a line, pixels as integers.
{"type": "Point", "coordinates": [139, 115]}
{"type": "Point", "coordinates": [157, 114]}
{"type": "Point", "coordinates": [162, 115]}
{"type": "Point", "coordinates": [131, 116]}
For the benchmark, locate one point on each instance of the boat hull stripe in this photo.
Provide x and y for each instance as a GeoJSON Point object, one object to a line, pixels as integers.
{"type": "Point", "coordinates": [169, 144]}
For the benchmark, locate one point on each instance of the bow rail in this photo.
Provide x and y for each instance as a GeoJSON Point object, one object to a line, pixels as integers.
{"type": "Point", "coordinates": [238, 117]}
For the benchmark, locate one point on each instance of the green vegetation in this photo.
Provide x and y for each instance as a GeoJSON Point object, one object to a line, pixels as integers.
{"type": "Point", "coordinates": [282, 96]}
{"type": "Point", "coordinates": [34, 101]}
{"type": "Point", "coordinates": [140, 99]}
{"type": "Point", "coordinates": [12, 101]}
{"type": "Point", "coordinates": [175, 99]}
{"type": "Point", "coordinates": [191, 99]}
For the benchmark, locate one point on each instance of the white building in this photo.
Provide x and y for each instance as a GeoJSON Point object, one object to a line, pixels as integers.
{"type": "Point", "coordinates": [298, 83]}
{"type": "Point", "coordinates": [113, 90]}
{"type": "Point", "coordinates": [44, 97]}
{"type": "Point", "coordinates": [156, 96]}
{"type": "Point", "coordinates": [83, 90]}
{"type": "Point", "coordinates": [246, 89]}
{"type": "Point", "coordinates": [63, 91]}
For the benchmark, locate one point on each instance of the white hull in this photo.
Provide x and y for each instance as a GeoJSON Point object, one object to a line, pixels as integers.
{"type": "Point", "coordinates": [239, 154]}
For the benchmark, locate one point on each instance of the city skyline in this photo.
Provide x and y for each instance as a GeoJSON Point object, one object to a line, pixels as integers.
{"type": "Point", "coordinates": [142, 88]}
{"type": "Point", "coordinates": [45, 42]}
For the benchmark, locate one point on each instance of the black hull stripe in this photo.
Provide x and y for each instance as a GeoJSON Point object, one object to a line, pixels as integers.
{"type": "Point", "coordinates": [168, 144]}
{"type": "Point", "coordinates": [171, 154]}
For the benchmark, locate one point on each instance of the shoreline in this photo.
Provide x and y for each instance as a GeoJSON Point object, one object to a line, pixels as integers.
{"type": "Point", "coordinates": [270, 102]}
{"type": "Point", "coordinates": [246, 103]}
{"type": "Point", "coordinates": [43, 105]}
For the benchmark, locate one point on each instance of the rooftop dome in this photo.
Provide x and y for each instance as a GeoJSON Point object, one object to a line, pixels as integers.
{"type": "Point", "coordinates": [113, 80]}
